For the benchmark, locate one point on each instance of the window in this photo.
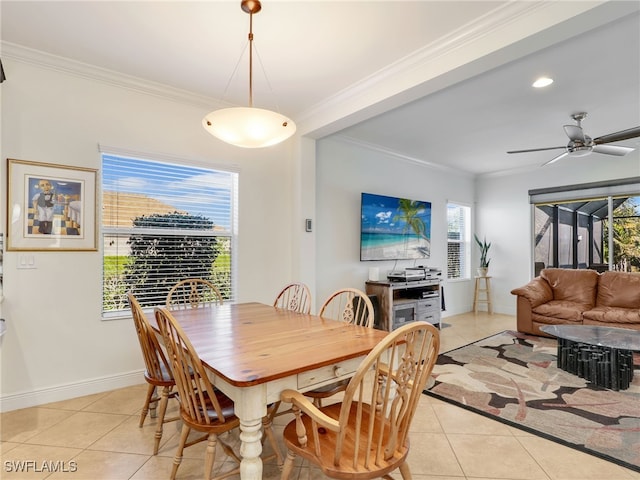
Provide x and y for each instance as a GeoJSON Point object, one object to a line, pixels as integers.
{"type": "Point", "coordinates": [594, 225]}
{"type": "Point", "coordinates": [458, 241]}
{"type": "Point", "coordinates": [162, 222]}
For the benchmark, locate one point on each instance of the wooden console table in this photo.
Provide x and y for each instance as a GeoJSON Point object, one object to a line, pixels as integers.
{"type": "Point", "coordinates": [402, 302]}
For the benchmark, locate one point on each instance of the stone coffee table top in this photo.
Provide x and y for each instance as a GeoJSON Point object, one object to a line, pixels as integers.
{"type": "Point", "coordinates": [619, 338]}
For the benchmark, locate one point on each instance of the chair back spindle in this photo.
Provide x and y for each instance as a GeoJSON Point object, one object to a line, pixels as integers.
{"type": "Point", "coordinates": [295, 297]}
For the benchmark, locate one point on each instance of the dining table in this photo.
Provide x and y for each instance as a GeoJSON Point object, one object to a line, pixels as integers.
{"type": "Point", "coordinates": [254, 351]}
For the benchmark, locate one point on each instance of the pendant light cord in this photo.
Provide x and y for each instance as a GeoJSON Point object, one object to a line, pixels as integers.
{"type": "Point", "coordinates": [251, 59]}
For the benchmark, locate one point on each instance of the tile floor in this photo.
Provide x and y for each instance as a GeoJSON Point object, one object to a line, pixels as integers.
{"type": "Point", "coordinates": [97, 437]}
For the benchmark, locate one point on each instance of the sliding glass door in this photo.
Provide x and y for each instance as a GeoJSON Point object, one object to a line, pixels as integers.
{"type": "Point", "coordinates": [598, 232]}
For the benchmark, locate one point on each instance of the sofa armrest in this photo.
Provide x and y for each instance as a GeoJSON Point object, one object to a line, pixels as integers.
{"type": "Point", "coordinates": [537, 292]}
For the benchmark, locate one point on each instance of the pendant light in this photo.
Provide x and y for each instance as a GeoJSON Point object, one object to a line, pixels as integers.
{"type": "Point", "coordinates": [249, 127]}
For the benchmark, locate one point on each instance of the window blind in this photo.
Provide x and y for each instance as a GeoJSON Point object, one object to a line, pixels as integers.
{"type": "Point", "coordinates": [163, 222]}
{"type": "Point", "coordinates": [458, 241]}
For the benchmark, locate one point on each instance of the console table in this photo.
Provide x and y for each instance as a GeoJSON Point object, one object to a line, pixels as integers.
{"type": "Point", "coordinates": [402, 302]}
{"type": "Point", "coordinates": [601, 355]}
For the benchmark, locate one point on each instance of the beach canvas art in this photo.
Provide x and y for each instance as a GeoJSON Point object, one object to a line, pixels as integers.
{"type": "Point", "coordinates": [394, 228]}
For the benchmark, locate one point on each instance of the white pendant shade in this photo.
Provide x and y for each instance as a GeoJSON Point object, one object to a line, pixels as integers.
{"type": "Point", "coordinates": [249, 127]}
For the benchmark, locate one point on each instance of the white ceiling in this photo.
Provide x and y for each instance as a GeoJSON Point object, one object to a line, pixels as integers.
{"type": "Point", "coordinates": [443, 82]}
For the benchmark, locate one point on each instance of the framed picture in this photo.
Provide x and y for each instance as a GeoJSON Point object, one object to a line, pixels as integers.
{"type": "Point", "coordinates": [50, 207]}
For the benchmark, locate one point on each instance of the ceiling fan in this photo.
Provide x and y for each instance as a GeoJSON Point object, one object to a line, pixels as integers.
{"type": "Point", "coordinates": [580, 144]}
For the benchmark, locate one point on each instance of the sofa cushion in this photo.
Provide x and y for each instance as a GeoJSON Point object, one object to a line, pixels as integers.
{"type": "Point", "coordinates": [619, 289]}
{"type": "Point", "coordinates": [577, 286]}
{"type": "Point", "coordinates": [560, 309]}
{"type": "Point", "coordinates": [613, 315]}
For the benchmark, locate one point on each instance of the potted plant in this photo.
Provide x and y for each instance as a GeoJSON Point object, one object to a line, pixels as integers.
{"type": "Point", "coordinates": [484, 261]}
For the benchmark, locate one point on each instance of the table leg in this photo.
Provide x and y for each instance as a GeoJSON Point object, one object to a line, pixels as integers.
{"type": "Point", "coordinates": [251, 408]}
{"type": "Point", "coordinates": [250, 449]}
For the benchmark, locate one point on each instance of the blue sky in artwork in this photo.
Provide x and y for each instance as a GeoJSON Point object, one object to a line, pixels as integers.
{"type": "Point", "coordinates": [380, 214]}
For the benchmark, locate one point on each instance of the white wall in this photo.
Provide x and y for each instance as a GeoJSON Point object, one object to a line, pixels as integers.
{"type": "Point", "coordinates": [56, 345]}
{"type": "Point", "coordinates": [345, 170]}
{"type": "Point", "coordinates": [504, 213]}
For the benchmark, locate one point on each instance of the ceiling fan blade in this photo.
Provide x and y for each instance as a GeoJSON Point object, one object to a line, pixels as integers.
{"type": "Point", "coordinates": [553, 160]}
{"type": "Point", "coordinates": [618, 136]}
{"type": "Point", "coordinates": [575, 133]}
{"type": "Point", "coordinates": [612, 150]}
{"type": "Point", "coordinates": [535, 149]}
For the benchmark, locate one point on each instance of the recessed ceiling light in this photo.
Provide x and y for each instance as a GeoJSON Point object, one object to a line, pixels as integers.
{"type": "Point", "coordinates": [542, 82]}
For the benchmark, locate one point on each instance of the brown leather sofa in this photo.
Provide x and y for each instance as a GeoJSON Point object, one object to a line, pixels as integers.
{"type": "Point", "coordinates": [578, 297]}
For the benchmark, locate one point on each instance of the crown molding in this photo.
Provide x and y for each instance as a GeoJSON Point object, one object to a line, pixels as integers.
{"type": "Point", "coordinates": [426, 70]}
{"type": "Point", "coordinates": [110, 77]}
{"type": "Point", "coordinates": [399, 156]}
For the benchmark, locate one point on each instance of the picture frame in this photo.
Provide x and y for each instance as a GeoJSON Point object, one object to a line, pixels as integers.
{"type": "Point", "coordinates": [50, 207]}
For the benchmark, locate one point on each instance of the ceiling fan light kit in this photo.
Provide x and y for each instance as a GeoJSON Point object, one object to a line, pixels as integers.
{"type": "Point", "coordinates": [581, 145]}
{"type": "Point", "coordinates": [249, 127]}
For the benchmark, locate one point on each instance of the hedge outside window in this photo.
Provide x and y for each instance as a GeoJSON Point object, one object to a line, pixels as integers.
{"type": "Point", "coordinates": [163, 222]}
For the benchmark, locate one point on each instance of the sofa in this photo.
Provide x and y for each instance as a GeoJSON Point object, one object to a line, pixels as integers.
{"type": "Point", "coordinates": [578, 297]}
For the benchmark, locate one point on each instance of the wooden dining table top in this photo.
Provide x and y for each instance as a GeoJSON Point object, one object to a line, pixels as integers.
{"type": "Point", "coordinates": [252, 343]}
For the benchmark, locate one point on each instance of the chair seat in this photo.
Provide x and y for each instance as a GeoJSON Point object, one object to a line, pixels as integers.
{"type": "Point", "coordinates": [165, 381]}
{"type": "Point", "coordinates": [328, 439]}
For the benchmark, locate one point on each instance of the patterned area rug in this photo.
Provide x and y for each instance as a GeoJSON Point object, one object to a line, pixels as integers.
{"type": "Point", "coordinates": [513, 378]}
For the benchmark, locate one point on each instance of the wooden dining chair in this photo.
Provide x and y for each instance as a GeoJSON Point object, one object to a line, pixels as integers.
{"type": "Point", "coordinates": [296, 297]}
{"type": "Point", "coordinates": [367, 434]}
{"type": "Point", "coordinates": [202, 407]}
{"type": "Point", "coordinates": [349, 305]}
{"type": "Point", "coordinates": [157, 371]}
{"type": "Point", "coordinates": [193, 293]}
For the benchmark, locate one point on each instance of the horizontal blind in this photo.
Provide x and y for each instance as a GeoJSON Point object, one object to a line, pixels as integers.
{"type": "Point", "coordinates": [163, 222]}
{"type": "Point", "coordinates": [458, 250]}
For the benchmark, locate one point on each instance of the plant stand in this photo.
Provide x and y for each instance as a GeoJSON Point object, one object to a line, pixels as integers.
{"type": "Point", "coordinates": [482, 293]}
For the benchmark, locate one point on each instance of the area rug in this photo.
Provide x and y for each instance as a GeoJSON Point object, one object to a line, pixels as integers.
{"type": "Point", "coordinates": [512, 377]}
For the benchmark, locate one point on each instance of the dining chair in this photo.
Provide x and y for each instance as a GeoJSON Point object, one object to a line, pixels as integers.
{"type": "Point", "coordinates": [193, 293]}
{"type": "Point", "coordinates": [367, 434]}
{"type": "Point", "coordinates": [202, 407]}
{"type": "Point", "coordinates": [349, 305]}
{"type": "Point", "coordinates": [157, 371]}
{"type": "Point", "coordinates": [296, 297]}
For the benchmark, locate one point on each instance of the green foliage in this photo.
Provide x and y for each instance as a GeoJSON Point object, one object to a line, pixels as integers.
{"type": "Point", "coordinates": [484, 250]}
{"type": "Point", "coordinates": [158, 261]}
{"type": "Point", "coordinates": [114, 289]}
{"type": "Point", "coordinates": [411, 209]}
{"type": "Point", "coordinates": [626, 237]}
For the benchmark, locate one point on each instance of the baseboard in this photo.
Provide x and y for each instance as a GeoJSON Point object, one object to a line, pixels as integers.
{"type": "Point", "coordinates": [70, 390]}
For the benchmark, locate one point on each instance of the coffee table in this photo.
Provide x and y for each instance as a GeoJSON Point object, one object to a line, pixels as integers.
{"type": "Point", "coordinates": [601, 355]}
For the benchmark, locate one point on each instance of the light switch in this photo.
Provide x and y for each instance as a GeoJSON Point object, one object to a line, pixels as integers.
{"type": "Point", "coordinates": [26, 261]}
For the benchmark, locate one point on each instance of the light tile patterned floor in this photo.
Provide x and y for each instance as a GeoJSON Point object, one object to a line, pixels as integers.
{"type": "Point", "coordinates": [98, 436]}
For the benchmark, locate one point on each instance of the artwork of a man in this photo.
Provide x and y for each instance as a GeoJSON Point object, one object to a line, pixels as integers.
{"type": "Point", "coordinates": [43, 206]}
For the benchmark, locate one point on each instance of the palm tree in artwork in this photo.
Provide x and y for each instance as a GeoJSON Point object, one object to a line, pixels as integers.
{"type": "Point", "coordinates": [410, 211]}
